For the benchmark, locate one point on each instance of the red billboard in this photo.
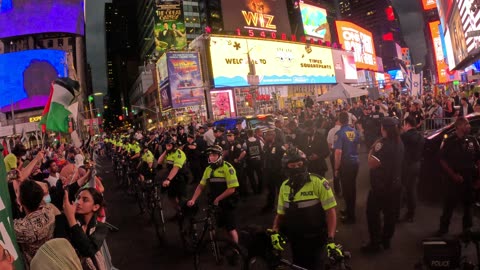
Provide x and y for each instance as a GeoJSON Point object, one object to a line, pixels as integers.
{"type": "Point", "coordinates": [360, 41]}
{"type": "Point", "coordinates": [438, 52]}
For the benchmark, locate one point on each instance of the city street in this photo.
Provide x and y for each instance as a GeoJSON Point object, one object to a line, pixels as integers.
{"type": "Point", "coordinates": [135, 246]}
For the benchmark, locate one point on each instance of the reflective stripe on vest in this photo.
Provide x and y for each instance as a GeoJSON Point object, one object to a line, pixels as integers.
{"type": "Point", "coordinates": [303, 204]}
{"type": "Point", "coordinates": [217, 180]}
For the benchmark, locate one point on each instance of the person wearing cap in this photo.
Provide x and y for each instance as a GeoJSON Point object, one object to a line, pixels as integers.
{"type": "Point", "coordinates": [193, 153]}
{"type": "Point", "coordinates": [460, 160]}
{"type": "Point", "coordinates": [235, 156]}
{"type": "Point", "coordinates": [385, 162]}
{"type": "Point", "coordinates": [346, 144]}
{"type": "Point", "coordinates": [220, 138]}
{"type": "Point", "coordinates": [182, 136]}
{"type": "Point", "coordinates": [372, 126]}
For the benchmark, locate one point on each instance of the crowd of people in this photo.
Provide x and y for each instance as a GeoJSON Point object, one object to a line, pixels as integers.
{"type": "Point", "coordinates": [55, 189]}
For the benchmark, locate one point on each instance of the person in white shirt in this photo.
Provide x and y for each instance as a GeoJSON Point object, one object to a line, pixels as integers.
{"type": "Point", "coordinates": [209, 137]}
{"type": "Point", "coordinates": [331, 140]}
{"type": "Point", "coordinates": [53, 175]}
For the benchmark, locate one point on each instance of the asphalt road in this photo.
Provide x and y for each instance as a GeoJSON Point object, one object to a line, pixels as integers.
{"type": "Point", "coordinates": [135, 246]}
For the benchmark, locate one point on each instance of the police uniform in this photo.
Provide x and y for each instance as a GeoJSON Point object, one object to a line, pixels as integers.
{"type": "Point", "coordinates": [347, 140]}
{"type": "Point", "coordinates": [461, 155]}
{"type": "Point", "coordinates": [413, 142]}
{"type": "Point", "coordinates": [273, 174]}
{"type": "Point", "coordinates": [218, 180]}
{"type": "Point", "coordinates": [147, 158]}
{"type": "Point", "coordinates": [384, 195]}
{"type": "Point", "coordinates": [178, 185]}
{"type": "Point", "coordinates": [372, 128]}
{"type": "Point", "coordinates": [222, 142]}
{"type": "Point", "coordinates": [235, 149]}
{"type": "Point", "coordinates": [193, 154]}
{"type": "Point", "coordinates": [304, 219]}
{"type": "Point", "coordinates": [254, 163]}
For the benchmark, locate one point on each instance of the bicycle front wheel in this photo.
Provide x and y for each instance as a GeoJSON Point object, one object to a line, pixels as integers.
{"type": "Point", "coordinates": [158, 217]}
{"type": "Point", "coordinates": [220, 254]}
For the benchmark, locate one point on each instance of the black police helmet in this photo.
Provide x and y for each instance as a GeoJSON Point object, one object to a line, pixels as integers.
{"type": "Point", "coordinates": [215, 149]}
{"type": "Point", "coordinates": [170, 140]}
{"type": "Point", "coordinates": [293, 154]}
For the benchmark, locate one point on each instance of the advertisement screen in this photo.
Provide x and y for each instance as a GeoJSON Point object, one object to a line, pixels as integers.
{"type": "Point", "coordinates": [165, 98]}
{"type": "Point", "coordinates": [256, 16]}
{"type": "Point", "coordinates": [470, 18]}
{"type": "Point", "coordinates": [26, 76]}
{"type": "Point", "coordinates": [169, 27]}
{"type": "Point", "coordinates": [438, 51]}
{"type": "Point", "coordinates": [276, 63]}
{"type": "Point", "coordinates": [162, 69]}
{"type": "Point", "coordinates": [396, 74]}
{"type": "Point", "coordinates": [355, 38]}
{"type": "Point", "coordinates": [21, 17]}
{"type": "Point", "coordinates": [457, 35]}
{"type": "Point", "coordinates": [429, 4]}
{"type": "Point", "coordinates": [345, 68]}
{"type": "Point", "coordinates": [186, 86]}
{"type": "Point", "coordinates": [222, 103]}
{"type": "Point", "coordinates": [315, 22]}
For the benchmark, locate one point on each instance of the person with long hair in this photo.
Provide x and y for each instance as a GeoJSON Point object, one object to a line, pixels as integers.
{"type": "Point", "coordinates": [385, 162]}
{"type": "Point", "coordinates": [79, 225]}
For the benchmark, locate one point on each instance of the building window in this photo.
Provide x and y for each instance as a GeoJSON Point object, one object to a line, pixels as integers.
{"type": "Point", "coordinates": [60, 42]}
{"type": "Point", "coordinates": [70, 42]}
{"type": "Point", "coordinates": [50, 43]}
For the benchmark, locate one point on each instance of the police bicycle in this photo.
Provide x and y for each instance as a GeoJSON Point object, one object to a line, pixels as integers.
{"type": "Point", "coordinates": [152, 201]}
{"type": "Point", "coordinates": [263, 256]}
{"type": "Point", "coordinates": [204, 240]}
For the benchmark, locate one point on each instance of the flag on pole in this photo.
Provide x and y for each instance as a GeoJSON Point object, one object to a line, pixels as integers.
{"type": "Point", "coordinates": [43, 121]}
{"type": "Point", "coordinates": [417, 84]}
{"type": "Point", "coordinates": [62, 96]}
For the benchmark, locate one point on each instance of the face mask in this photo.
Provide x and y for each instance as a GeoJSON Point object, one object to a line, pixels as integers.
{"type": "Point", "coordinates": [47, 199]}
{"type": "Point", "coordinates": [293, 173]}
{"type": "Point", "coordinates": [71, 160]}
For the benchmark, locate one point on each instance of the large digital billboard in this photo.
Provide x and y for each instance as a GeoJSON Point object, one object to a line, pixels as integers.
{"type": "Point", "coordinates": [360, 41]}
{"type": "Point", "coordinates": [26, 17]}
{"type": "Point", "coordinates": [186, 85]}
{"type": "Point", "coordinates": [470, 18]}
{"type": "Point", "coordinates": [315, 22]}
{"type": "Point", "coordinates": [457, 35]}
{"type": "Point", "coordinates": [429, 4]}
{"type": "Point", "coordinates": [266, 17]}
{"type": "Point", "coordinates": [169, 27]}
{"type": "Point", "coordinates": [345, 68]}
{"type": "Point", "coordinates": [276, 63]}
{"type": "Point", "coordinates": [26, 76]}
{"type": "Point", "coordinates": [438, 52]}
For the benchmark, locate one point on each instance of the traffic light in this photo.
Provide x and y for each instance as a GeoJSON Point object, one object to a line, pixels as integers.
{"type": "Point", "coordinates": [90, 98]}
{"type": "Point", "coordinates": [99, 114]}
{"type": "Point", "coordinates": [120, 117]}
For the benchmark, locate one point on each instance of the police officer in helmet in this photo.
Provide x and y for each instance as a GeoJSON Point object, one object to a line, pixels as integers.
{"type": "Point", "coordinates": [306, 213]}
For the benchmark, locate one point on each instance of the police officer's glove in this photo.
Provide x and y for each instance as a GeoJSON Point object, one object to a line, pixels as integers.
{"type": "Point", "coordinates": [334, 251]}
{"type": "Point", "coordinates": [277, 240]}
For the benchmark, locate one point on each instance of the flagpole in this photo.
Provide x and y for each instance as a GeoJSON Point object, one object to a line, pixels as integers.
{"type": "Point", "coordinates": [13, 116]}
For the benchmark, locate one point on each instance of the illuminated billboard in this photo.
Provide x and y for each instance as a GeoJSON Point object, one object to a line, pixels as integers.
{"type": "Point", "coordinates": [438, 51]}
{"type": "Point", "coordinates": [360, 41]}
{"type": "Point", "coordinates": [169, 27]}
{"type": "Point", "coordinates": [20, 17]}
{"type": "Point", "coordinates": [265, 18]}
{"type": "Point", "coordinates": [429, 4]}
{"type": "Point", "coordinates": [26, 76]}
{"type": "Point", "coordinates": [345, 68]}
{"type": "Point", "coordinates": [470, 18]}
{"type": "Point", "coordinates": [457, 35]}
{"type": "Point", "coordinates": [276, 63]}
{"type": "Point", "coordinates": [186, 85]}
{"type": "Point", "coordinates": [315, 22]}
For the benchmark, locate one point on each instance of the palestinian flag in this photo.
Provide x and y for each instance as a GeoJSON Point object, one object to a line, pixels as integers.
{"type": "Point", "coordinates": [62, 94]}
{"type": "Point", "coordinates": [43, 121]}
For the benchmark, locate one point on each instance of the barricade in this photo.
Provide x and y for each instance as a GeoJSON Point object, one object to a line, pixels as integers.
{"type": "Point", "coordinates": [436, 123]}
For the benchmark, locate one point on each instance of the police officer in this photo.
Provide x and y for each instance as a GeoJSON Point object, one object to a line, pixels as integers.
{"type": "Point", "coordinates": [146, 166]}
{"type": "Point", "coordinates": [220, 138]}
{"type": "Point", "coordinates": [413, 142]}
{"type": "Point", "coordinates": [346, 143]}
{"type": "Point", "coordinates": [316, 150]}
{"type": "Point", "coordinates": [273, 151]}
{"type": "Point", "coordinates": [222, 180]}
{"type": "Point", "coordinates": [193, 153]}
{"type": "Point", "coordinates": [235, 156]}
{"type": "Point", "coordinates": [175, 181]}
{"type": "Point", "coordinates": [372, 126]}
{"type": "Point", "coordinates": [254, 161]}
{"type": "Point", "coordinates": [305, 212]}
{"type": "Point", "coordinates": [242, 133]}
{"type": "Point", "coordinates": [460, 159]}
{"type": "Point", "coordinates": [385, 163]}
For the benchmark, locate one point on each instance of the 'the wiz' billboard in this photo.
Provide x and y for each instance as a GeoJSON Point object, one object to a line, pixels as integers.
{"type": "Point", "coordinates": [254, 16]}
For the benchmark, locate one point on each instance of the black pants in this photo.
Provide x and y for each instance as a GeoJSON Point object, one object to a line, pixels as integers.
{"type": "Point", "coordinates": [336, 181]}
{"type": "Point", "coordinates": [386, 203]}
{"type": "Point", "coordinates": [458, 193]}
{"type": "Point", "coordinates": [409, 182]}
{"type": "Point", "coordinates": [274, 179]}
{"type": "Point", "coordinates": [348, 177]}
{"type": "Point", "coordinates": [240, 171]}
{"type": "Point", "coordinates": [255, 167]}
{"type": "Point", "coordinates": [196, 170]}
{"type": "Point", "coordinates": [308, 252]}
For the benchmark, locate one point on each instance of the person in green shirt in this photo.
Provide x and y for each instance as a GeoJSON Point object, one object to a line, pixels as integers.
{"type": "Point", "coordinates": [221, 178]}
{"type": "Point", "coordinates": [13, 159]}
{"type": "Point", "coordinates": [306, 213]}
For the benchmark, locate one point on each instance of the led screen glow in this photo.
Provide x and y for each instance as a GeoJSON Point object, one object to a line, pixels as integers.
{"type": "Point", "coordinates": [360, 41]}
{"type": "Point", "coordinates": [26, 76]}
{"type": "Point", "coordinates": [315, 22]}
{"type": "Point", "coordinates": [26, 17]}
{"type": "Point", "coordinates": [276, 63]}
{"type": "Point", "coordinates": [438, 51]}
